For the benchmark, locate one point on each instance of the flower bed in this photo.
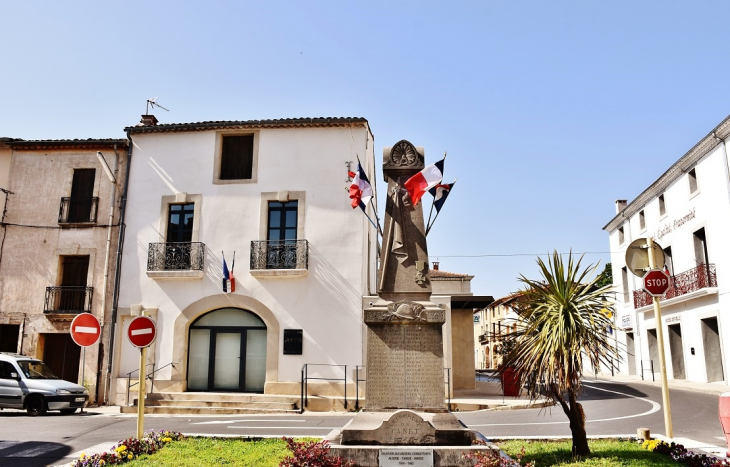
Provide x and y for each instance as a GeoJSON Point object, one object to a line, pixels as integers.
{"type": "Point", "coordinates": [680, 454]}
{"type": "Point", "coordinates": [129, 449]}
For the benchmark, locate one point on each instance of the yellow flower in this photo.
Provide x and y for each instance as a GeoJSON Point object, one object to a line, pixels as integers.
{"type": "Point", "coordinates": [167, 440]}
{"type": "Point", "coordinates": [130, 456]}
{"type": "Point", "coordinates": [83, 454]}
{"type": "Point", "coordinates": [121, 448]}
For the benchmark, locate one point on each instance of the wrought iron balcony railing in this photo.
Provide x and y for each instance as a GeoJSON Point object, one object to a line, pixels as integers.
{"type": "Point", "coordinates": [699, 277]}
{"type": "Point", "coordinates": [177, 256]}
{"type": "Point", "coordinates": [279, 254]}
{"type": "Point", "coordinates": [68, 299]}
{"type": "Point", "coordinates": [78, 210]}
{"type": "Point", "coordinates": [483, 338]}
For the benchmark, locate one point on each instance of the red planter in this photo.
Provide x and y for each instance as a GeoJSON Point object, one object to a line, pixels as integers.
{"type": "Point", "coordinates": [510, 381]}
{"type": "Point", "coordinates": [724, 414]}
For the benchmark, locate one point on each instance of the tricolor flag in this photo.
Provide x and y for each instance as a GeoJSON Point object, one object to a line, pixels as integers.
{"type": "Point", "coordinates": [424, 180]}
{"type": "Point", "coordinates": [440, 192]}
{"type": "Point", "coordinates": [229, 283]}
{"type": "Point", "coordinates": [360, 191]}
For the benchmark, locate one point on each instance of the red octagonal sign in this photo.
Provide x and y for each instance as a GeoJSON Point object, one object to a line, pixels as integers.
{"type": "Point", "coordinates": [85, 329]}
{"type": "Point", "coordinates": [656, 282]}
{"type": "Point", "coordinates": [141, 332]}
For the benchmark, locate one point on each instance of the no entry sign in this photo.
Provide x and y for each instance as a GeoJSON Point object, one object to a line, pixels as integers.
{"type": "Point", "coordinates": [141, 332]}
{"type": "Point", "coordinates": [85, 329]}
{"type": "Point", "coordinates": [656, 282]}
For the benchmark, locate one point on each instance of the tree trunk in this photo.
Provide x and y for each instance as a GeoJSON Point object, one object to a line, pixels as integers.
{"type": "Point", "coordinates": [578, 427]}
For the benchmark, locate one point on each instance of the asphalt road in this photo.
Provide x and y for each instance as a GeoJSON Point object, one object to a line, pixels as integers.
{"type": "Point", "coordinates": [611, 409]}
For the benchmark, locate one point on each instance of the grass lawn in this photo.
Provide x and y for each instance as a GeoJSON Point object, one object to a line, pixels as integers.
{"type": "Point", "coordinates": [604, 453]}
{"type": "Point", "coordinates": [209, 451]}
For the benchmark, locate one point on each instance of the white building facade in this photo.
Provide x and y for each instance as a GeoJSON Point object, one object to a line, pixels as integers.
{"type": "Point", "coordinates": [274, 192]}
{"type": "Point", "coordinates": [687, 212]}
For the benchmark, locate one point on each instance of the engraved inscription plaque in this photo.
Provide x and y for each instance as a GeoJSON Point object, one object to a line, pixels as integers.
{"type": "Point", "coordinates": [405, 458]}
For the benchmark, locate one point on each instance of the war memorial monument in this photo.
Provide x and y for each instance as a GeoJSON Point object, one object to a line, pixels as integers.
{"type": "Point", "coordinates": [405, 420]}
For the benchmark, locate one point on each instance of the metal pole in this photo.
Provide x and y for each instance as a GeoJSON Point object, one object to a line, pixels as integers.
{"type": "Point", "coordinates": [83, 368]}
{"type": "Point", "coordinates": [140, 398]}
{"type": "Point", "coordinates": [662, 364]}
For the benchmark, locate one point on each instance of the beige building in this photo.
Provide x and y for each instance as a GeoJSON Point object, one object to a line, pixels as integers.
{"type": "Point", "coordinates": [58, 251]}
{"type": "Point", "coordinates": [490, 325]}
{"type": "Point", "coordinates": [463, 304]}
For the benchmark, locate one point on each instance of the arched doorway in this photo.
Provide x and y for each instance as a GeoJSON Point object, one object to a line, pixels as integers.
{"type": "Point", "coordinates": [227, 352]}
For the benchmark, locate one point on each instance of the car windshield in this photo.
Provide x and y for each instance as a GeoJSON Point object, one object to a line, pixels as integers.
{"type": "Point", "coordinates": [34, 369]}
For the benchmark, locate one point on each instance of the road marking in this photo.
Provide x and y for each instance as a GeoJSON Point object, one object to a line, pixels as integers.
{"type": "Point", "coordinates": [285, 427]}
{"type": "Point", "coordinates": [137, 332]}
{"type": "Point", "coordinates": [655, 407]}
{"type": "Point", "coordinates": [85, 329]}
{"type": "Point", "coordinates": [36, 451]}
{"type": "Point", "coordinates": [223, 422]}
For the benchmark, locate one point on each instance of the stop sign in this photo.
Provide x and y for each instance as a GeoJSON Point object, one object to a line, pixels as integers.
{"type": "Point", "coordinates": [656, 282]}
{"type": "Point", "coordinates": [85, 329]}
{"type": "Point", "coordinates": [141, 332]}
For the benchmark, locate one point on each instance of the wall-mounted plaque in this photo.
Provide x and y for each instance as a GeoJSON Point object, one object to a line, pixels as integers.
{"type": "Point", "coordinates": [405, 457]}
{"type": "Point", "coordinates": [293, 341]}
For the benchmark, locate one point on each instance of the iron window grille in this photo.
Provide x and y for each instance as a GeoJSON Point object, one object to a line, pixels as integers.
{"type": "Point", "coordinates": [279, 254]}
{"type": "Point", "coordinates": [76, 210]}
{"type": "Point", "coordinates": [176, 256]}
{"type": "Point", "coordinates": [68, 299]}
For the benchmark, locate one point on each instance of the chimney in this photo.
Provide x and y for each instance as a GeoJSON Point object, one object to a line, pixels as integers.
{"type": "Point", "coordinates": [148, 120]}
{"type": "Point", "coordinates": [435, 265]}
{"type": "Point", "coordinates": [620, 205]}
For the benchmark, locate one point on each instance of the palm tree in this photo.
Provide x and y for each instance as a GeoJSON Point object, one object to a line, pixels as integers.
{"type": "Point", "coordinates": [562, 329]}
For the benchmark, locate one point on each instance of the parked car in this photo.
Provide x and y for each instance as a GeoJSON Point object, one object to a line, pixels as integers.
{"type": "Point", "coordinates": [27, 383]}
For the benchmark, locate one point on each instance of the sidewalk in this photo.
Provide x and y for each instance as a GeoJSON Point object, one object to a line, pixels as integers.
{"type": "Point", "coordinates": [708, 388]}
{"type": "Point", "coordinates": [488, 396]}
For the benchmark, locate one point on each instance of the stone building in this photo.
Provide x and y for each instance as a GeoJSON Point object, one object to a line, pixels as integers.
{"type": "Point", "coordinates": [491, 324]}
{"type": "Point", "coordinates": [58, 251]}
{"type": "Point", "coordinates": [687, 212]}
{"type": "Point", "coordinates": [274, 192]}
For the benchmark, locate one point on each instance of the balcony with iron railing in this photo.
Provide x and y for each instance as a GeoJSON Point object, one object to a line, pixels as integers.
{"type": "Point", "coordinates": [279, 257]}
{"type": "Point", "coordinates": [686, 284]}
{"type": "Point", "coordinates": [64, 302]}
{"type": "Point", "coordinates": [483, 338]}
{"type": "Point", "coordinates": [76, 211]}
{"type": "Point", "coordinates": [176, 260]}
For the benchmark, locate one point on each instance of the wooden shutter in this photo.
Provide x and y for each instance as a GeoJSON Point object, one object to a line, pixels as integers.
{"type": "Point", "coordinates": [237, 158]}
{"type": "Point", "coordinates": [82, 191]}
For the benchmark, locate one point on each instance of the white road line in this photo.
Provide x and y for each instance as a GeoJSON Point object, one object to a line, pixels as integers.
{"type": "Point", "coordinates": [85, 329]}
{"type": "Point", "coordinates": [655, 407]}
{"type": "Point", "coordinates": [258, 420]}
{"type": "Point", "coordinates": [95, 449]}
{"type": "Point", "coordinates": [137, 332]}
{"type": "Point", "coordinates": [36, 451]}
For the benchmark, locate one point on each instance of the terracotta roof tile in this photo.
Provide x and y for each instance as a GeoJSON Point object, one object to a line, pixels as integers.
{"type": "Point", "coordinates": [273, 123]}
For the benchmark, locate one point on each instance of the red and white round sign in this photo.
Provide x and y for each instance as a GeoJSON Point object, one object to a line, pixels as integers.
{"type": "Point", "coordinates": [141, 332]}
{"type": "Point", "coordinates": [85, 329]}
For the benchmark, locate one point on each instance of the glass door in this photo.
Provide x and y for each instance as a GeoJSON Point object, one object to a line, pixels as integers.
{"type": "Point", "coordinates": [227, 361]}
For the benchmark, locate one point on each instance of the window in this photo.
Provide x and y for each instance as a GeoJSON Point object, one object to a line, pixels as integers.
{"type": "Point", "coordinates": [662, 206]}
{"type": "Point", "coordinates": [6, 369]}
{"type": "Point", "coordinates": [236, 158]}
{"type": "Point", "coordinates": [282, 235]}
{"type": "Point", "coordinates": [180, 222]}
{"type": "Point", "coordinates": [81, 206]}
{"type": "Point", "coordinates": [668, 260]}
{"type": "Point", "coordinates": [700, 244]}
{"type": "Point", "coordinates": [692, 177]}
{"type": "Point", "coordinates": [620, 235]}
{"type": "Point", "coordinates": [642, 220]}
{"type": "Point", "coordinates": [625, 283]}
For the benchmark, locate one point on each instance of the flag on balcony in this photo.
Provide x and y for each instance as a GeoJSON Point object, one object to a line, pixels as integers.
{"type": "Point", "coordinates": [360, 191]}
{"type": "Point", "coordinates": [229, 282]}
{"type": "Point", "coordinates": [424, 180]}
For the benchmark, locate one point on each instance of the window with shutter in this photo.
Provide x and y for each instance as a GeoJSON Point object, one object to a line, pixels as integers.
{"type": "Point", "coordinates": [236, 157]}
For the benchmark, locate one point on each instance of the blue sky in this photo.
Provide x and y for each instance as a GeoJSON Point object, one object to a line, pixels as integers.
{"type": "Point", "coordinates": [549, 111]}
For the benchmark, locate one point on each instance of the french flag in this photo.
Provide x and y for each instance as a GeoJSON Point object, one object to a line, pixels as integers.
{"type": "Point", "coordinates": [440, 193]}
{"type": "Point", "coordinates": [229, 282]}
{"type": "Point", "coordinates": [424, 180]}
{"type": "Point", "coordinates": [360, 191]}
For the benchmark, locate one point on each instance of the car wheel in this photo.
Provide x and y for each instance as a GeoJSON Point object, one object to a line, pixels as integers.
{"type": "Point", "coordinates": [36, 405]}
{"type": "Point", "coordinates": [68, 411]}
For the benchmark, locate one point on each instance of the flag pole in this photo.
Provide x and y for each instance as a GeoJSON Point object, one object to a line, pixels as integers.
{"type": "Point", "coordinates": [375, 211]}
{"type": "Point", "coordinates": [428, 227]}
{"type": "Point", "coordinates": [432, 202]}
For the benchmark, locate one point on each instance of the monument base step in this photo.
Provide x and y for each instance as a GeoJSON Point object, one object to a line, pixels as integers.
{"type": "Point", "coordinates": [443, 456]}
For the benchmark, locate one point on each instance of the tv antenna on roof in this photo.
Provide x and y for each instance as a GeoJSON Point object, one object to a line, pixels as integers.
{"type": "Point", "coordinates": [153, 103]}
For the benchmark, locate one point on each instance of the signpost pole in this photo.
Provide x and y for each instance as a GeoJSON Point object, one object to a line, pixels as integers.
{"type": "Point", "coordinates": [83, 370]}
{"type": "Point", "coordinates": [142, 390]}
{"type": "Point", "coordinates": [660, 341]}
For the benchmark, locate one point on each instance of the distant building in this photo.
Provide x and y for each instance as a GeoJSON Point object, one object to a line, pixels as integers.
{"type": "Point", "coordinates": [58, 251]}
{"type": "Point", "coordinates": [687, 211]}
{"type": "Point", "coordinates": [490, 325]}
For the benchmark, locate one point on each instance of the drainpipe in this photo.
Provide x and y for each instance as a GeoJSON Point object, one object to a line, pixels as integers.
{"type": "Point", "coordinates": [107, 251]}
{"type": "Point", "coordinates": [117, 273]}
{"type": "Point", "coordinates": [725, 161]}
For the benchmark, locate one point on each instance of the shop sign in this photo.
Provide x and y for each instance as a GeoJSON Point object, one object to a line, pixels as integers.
{"type": "Point", "coordinates": [672, 319]}
{"type": "Point", "coordinates": [668, 227]}
{"type": "Point", "coordinates": [626, 321]}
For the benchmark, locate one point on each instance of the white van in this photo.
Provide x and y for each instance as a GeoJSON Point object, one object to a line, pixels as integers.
{"type": "Point", "coordinates": [27, 383]}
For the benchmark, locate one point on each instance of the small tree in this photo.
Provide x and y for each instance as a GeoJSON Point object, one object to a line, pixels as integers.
{"type": "Point", "coordinates": [561, 323]}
